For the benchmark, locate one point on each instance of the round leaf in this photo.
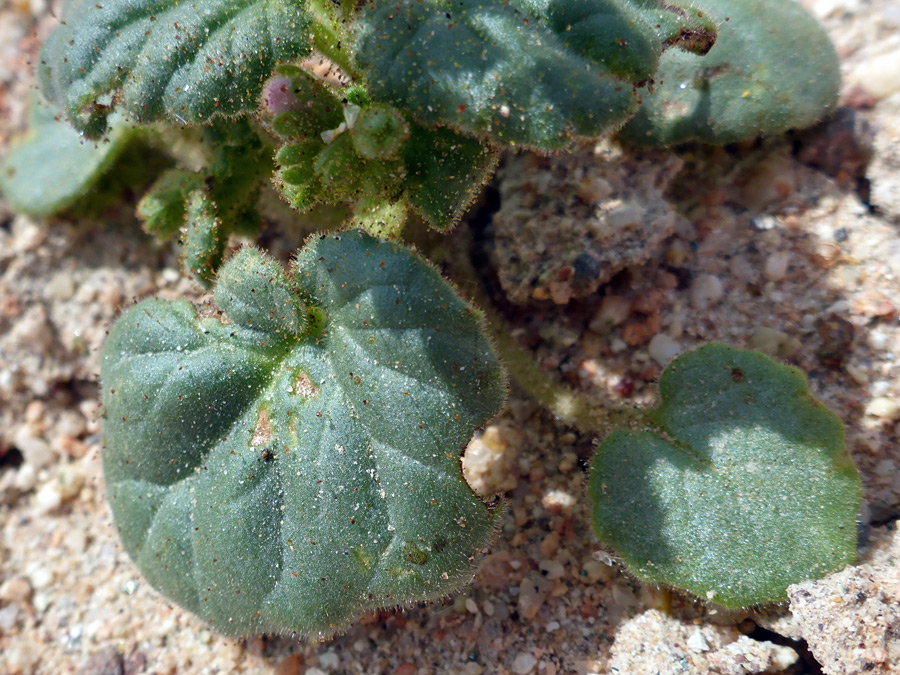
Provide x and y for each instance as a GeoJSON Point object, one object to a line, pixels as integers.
{"type": "Point", "coordinates": [745, 489]}
{"type": "Point", "coordinates": [277, 476]}
{"type": "Point", "coordinates": [54, 166]}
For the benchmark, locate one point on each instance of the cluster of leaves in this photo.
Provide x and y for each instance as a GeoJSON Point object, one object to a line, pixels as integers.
{"type": "Point", "coordinates": [295, 460]}
{"type": "Point", "coordinates": [432, 90]}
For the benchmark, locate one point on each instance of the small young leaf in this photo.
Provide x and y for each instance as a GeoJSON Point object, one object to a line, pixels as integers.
{"type": "Point", "coordinates": [275, 475]}
{"type": "Point", "coordinates": [773, 68]}
{"type": "Point", "coordinates": [162, 208]}
{"type": "Point", "coordinates": [380, 132]}
{"type": "Point", "coordinates": [161, 58]}
{"type": "Point", "coordinates": [255, 295]}
{"type": "Point", "coordinates": [383, 220]}
{"type": "Point", "coordinates": [445, 171]}
{"type": "Point", "coordinates": [203, 238]}
{"type": "Point", "coordinates": [371, 157]}
{"type": "Point", "coordinates": [745, 489]}
{"type": "Point", "coordinates": [54, 165]}
{"type": "Point", "coordinates": [210, 205]}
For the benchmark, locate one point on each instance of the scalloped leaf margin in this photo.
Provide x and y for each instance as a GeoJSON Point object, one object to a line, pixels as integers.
{"type": "Point", "coordinates": [745, 488]}
{"type": "Point", "coordinates": [296, 466]}
{"type": "Point", "coordinates": [165, 59]}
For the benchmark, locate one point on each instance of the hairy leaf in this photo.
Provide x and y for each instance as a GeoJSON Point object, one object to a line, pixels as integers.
{"type": "Point", "coordinates": [203, 237]}
{"type": "Point", "coordinates": [773, 68]}
{"type": "Point", "coordinates": [208, 206]}
{"type": "Point", "coordinates": [54, 165]}
{"type": "Point", "coordinates": [368, 154]}
{"type": "Point", "coordinates": [745, 489]}
{"type": "Point", "coordinates": [162, 208]}
{"type": "Point", "coordinates": [445, 171]}
{"type": "Point", "coordinates": [520, 72]}
{"type": "Point", "coordinates": [186, 61]}
{"type": "Point", "coordinates": [297, 466]}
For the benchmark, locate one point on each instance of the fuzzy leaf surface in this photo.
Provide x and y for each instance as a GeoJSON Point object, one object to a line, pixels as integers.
{"type": "Point", "coordinates": [285, 472]}
{"type": "Point", "coordinates": [772, 68]}
{"type": "Point", "coordinates": [185, 61]}
{"type": "Point", "coordinates": [746, 489]}
{"type": "Point", "coordinates": [382, 159]}
{"type": "Point", "coordinates": [536, 73]}
{"type": "Point", "coordinates": [54, 165]}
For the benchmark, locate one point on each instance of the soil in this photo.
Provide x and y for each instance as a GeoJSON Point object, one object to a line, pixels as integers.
{"type": "Point", "coordinates": [789, 245]}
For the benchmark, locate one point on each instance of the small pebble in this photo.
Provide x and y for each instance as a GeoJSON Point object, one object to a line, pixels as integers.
{"type": "Point", "coordinates": [107, 662]}
{"type": "Point", "coordinates": [553, 626]}
{"type": "Point", "coordinates": [614, 310]}
{"type": "Point", "coordinates": [27, 235]}
{"type": "Point", "coordinates": [329, 660]}
{"type": "Point", "coordinates": [524, 663]}
{"type": "Point", "coordinates": [624, 216]}
{"type": "Point", "coordinates": [532, 593]}
{"type": "Point", "coordinates": [884, 408]}
{"type": "Point", "coordinates": [880, 388]}
{"type": "Point", "coordinates": [595, 571]}
{"type": "Point", "coordinates": [697, 643]}
{"type": "Point", "coordinates": [594, 190]}
{"type": "Point", "coordinates": [879, 75]}
{"type": "Point", "coordinates": [550, 545]}
{"type": "Point", "coordinates": [773, 342]}
{"type": "Point", "coordinates": [706, 291]}
{"type": "Point", "coordinates": [36, 451]}
{"type": "Point", "coordinates": [663, 349]}
{"type": "Point", "coordinates": [69, 481]}
{"type": "Point", "coordinates": [61, 287]}
{"type": "Point", "coordinates": [471, 606]}
{"type": "Point", "coordinates": [289, 666]}
{"type": "Point", "coordinates": [48, 498]}
{"type": "Point", "coordinates": [9, 615]}
{"type": "Point", "coordinates": [551, 569]}
{"type": "Point", "coordinates": [17, 589]}
{"type": "Point", "coordinates": [886, 467]}
{"type": "Point", "coordinates": [777, 265]}
{"type": "Point", "coordinates": [859, 375]}
{"type": "Point", "coordinates": [33, 332]}
{"type": "Point", "coordinates": [42, 577]}
{"type": "Point", "coordinates": [26, 478]}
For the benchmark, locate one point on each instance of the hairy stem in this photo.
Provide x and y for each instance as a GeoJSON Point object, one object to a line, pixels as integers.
{"type": "Point", "coordinates": [568, 405]}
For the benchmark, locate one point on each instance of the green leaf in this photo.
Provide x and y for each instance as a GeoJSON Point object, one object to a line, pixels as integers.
{"type": "Point", "coordinates": [380, 132]}
{"type": "Point", "coordinates": [372, 155]}
{"type": "Point", "coordinates": [533, 73]}
{"type": "Point", "coordinates": [279, 474]}
{"type": "Point", "coordinates": [54, 166]}
{"type": "Point", "coordinates": [745, 488]}
{"type": "Point", "coordinates": [773, 68]}
{"type": "Point", "coordinates": [162, 208]}
{"type": "Point", "coordinates": [208, 206]}
{"type": "Point", "coordinates": [186, 61]}
{"type": "Point", "coordinates": [203, 238]}
{"type": "Point", "coordinates": [445, 171]}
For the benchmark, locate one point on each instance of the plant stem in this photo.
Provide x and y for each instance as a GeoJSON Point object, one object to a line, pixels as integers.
{"type": "Point", "coordinates": [569, 406]}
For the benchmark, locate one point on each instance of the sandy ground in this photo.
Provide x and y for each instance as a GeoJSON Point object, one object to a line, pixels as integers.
{"type": "Point", "coordinates": [790, 246]}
